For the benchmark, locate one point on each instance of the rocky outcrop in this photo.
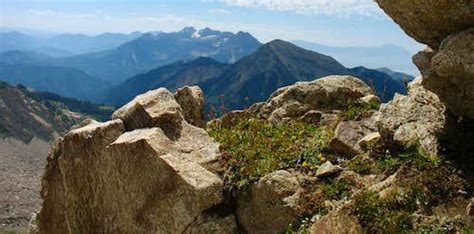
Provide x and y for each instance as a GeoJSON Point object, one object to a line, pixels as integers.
{"type": "Point", "coordinates": [270, 208]}
{"type": "Point", "coordinates": [326, 94]}
{"type": "Point", "coordinates": [448, 28]}
{"type": "Point", "coordinates": [430, 22]}
{"type": "Point", "coordinates": [416, 119]}
{"type": "Point", "coordinates": [148, 170]}
{"type": "Point", "coordinates": [191, 99]}
{"type": "Point", "coordinates": [449, 72]}
{"type": "Point", "coordinates": [321, 102]}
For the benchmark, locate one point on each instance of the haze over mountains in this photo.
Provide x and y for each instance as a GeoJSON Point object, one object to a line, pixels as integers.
{"type": "Point", "coordinates": [235, 65]}
{"type": "Point", "coordinates": [251, 79]}
{"type": "Point", "coordinates": [64, 44]}
{"type": "Point", "coordinates": [151, 50]}
{"type": "Point", "coordinates": [396, 57]}
{"type": "Point", "coordinates": [65, 81]}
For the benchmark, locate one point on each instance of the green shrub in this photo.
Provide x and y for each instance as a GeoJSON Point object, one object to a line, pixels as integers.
{"type": "Point", "coordinates": [388, 215]}
{"type": "Point", "coordinates": [393, 213]}
{"type": "Point", "coordinates": [412, 156]}
{"type": "Point", "coordinates": [360, 165]}
{"type": "Point", "coordinates": [357, 109]}
{"type": "Point", "coordinates": [254, 148]}
{"type": "Point", "coordinates": [445, 226]}
{"type": "Point", "coordinates": [336, 190]}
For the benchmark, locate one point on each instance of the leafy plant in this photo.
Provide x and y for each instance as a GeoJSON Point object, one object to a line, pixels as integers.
{"type": "Point", "coordinates": [360, 165]}
{"type": "Point", "coordinates": [387, 215]}
{"type": "Point", "coordinates": [255, 148]}
{"type": "Point", "coordinates": [412, 156]}
{"type": "Point", "coordinates": [357, 109]}
{"type": "Point", "coordinates": [393, 212]}
{"type": "Point", "coordinates": [336, 190]}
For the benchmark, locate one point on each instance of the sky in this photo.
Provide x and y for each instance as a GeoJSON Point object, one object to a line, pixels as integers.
{"type": "Point", "coordinates": [329, 22]}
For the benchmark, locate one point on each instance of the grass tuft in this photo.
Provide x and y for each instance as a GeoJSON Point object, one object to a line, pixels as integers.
{"type": "Point", "coordinates": [358, 109]}
{"type": "Point", "coordinates": [255, 148]}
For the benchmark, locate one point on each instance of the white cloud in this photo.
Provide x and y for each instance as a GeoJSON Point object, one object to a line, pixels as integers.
{"type": "Point", "coordinates": [340, 8]}
{"type": "Point", "coordinates": [220, 11]}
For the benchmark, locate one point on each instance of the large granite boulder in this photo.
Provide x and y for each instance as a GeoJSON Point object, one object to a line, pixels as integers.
{"type": "Point", "coordinates": [129, 175]}
{"type": "Point", "coordinates": [430, 22]}
{"type": "Point", "coordinates": [447, 26]}
{"type": "Point", "coordinates": [416, 119]}
{"type": "Point", "coordinates": [326, 94]}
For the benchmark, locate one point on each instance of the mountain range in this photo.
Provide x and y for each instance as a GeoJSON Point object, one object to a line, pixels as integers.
{"type": "Point", "coordinates": [251, 79]}
{"type": "Point", "coordinates": [231, 67]}
{"type": "Point", "coordinates": [63, 45]}
{"type": "Point", "coordinates": [149, 51]}
{"type": "Point", "coordinates": [65, 81]}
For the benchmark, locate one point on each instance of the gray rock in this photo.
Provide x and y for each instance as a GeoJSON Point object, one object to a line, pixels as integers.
{"type": "Point", "coordinates": [416, 119]}
{"type": "Point", "coordinates": [370, 141]}
{"type": "Point", "coordinates": [450, 72]}
{"type": "Point", "coordinates": [191, 100]}
{"type": "Point", "coordinates": [102, 179]}
{"type": "Point", "coordinates": [156, 108]}
{"type": "Point", "coordinates": [327, 169]}
{"type": "Point", "coordinates": [348, 134]}
{"type": "Point", "coordinates": [338, 221]}
{"type": "Point", "coordinates": [213, 224]}
{"type": "Point", "coordinates": [269, 209]}
{"type": "Point", "coordinates": [312, 117]}
{"type": "Point", "coordinates": [324, 94]}
{"type": "Point", "coordinates": [447, 27]}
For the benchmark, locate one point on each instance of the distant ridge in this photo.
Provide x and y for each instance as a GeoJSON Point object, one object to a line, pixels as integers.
{"type": "Point", "coordinates": [253, 78]}
{"type": "Point", "coordinates": [171, 76]}
{"type": "Point", "coordinates": [396, 57]}
{"type": "Point", "coordinates": [151, 50]}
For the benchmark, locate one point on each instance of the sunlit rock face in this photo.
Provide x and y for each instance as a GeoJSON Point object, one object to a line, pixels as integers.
{"type": "Point", "coordinates": [416, 119]}
{"type": "Point", "coordinates": [148, 170]}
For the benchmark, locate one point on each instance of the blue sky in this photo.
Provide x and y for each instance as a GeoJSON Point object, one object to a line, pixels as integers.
{"type": "Point", "coordinates": [330, 22]}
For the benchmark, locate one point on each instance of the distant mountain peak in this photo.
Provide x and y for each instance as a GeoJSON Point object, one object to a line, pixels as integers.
{"type": "Point", "coordinates": [280, 44]}
{"type": "Point", "coordinates": [188, 31]}
{"type": "Point", "coordinates": [208, 32]}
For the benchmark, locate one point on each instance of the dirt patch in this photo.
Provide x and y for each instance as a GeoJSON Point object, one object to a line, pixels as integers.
{"type": "Point", "coordinates": [21, 166]}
